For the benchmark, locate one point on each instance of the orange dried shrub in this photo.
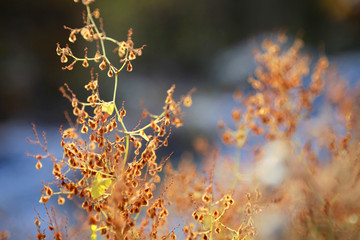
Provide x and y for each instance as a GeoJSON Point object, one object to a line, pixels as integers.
{"type": "Point", "coordinates": [284, 189]}
{"type": "Point", "coordinates": [110, 169]}
{"type": "Point", "coordinates": [280, 100]}
{"type": "Point", "coordinates": [326, 208]}
{"type": "Point", "coordinates": [213, 202]}
{"type": "Point", "coordinates": [287, 193]}
{"type": "Point", "coordinates": [312, 199]}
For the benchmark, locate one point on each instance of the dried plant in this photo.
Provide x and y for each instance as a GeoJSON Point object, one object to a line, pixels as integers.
{"type": "Point", "coordinates": [290, 191]}
{"type": "Point", "coordinates": [111, 169]}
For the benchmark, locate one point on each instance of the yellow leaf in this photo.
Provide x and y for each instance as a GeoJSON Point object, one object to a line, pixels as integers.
{"type": "Point", "coordinates": [108, 107]}
{"type": "Point", "coordinates": [99, 186]}
{"type": "Point", "coordinates": [93, 228]}
{"type": "Point", "coordinates": [93, 236]}
{"type": "Point", "coordinates": [93, 231]}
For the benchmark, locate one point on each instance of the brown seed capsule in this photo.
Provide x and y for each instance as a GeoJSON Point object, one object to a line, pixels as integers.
{"type": "Point", "coordinates": [129, 67]}
{"type": "Point", "coordinates": [132, 56]}
{"type": "Point", "coordinates": [137, 173]}
{"type": "Point", "coordinates": [157, 178]}
{"type": "Point", "coordinates": [61, 200]}
{"type": "Point", "coordinates": [164, 213]}
{"type": "Point", "coordinates": [195, 215]}
{"type": "Point", "coordinates": [63, 58]}
{"type": "Point", "coordinates": [87, 33]}
{"type": "Point", "coordinates": [216, 213]}
{"type": "Point", "coordinates": [44, 199]}
{"type": "Point", "coordinates": [110, 73]}
{"type": "Point", "coordinates": [89, 208]}
{"type": "Point", "coordinates": [138, 51]}
{"type": "Point", "coordinates": [123, 113]}
{"type": "Point", "coordinates": [58, 50]}
{"type": "Point", "coordinates": [76, 111]}
{"type": "Point", "coordinates": [92, 220]}
{"type": "Point", "coordinates": [205, 198]}
{"type": "Point", "coordinates": [37, 222]}
{"type": "Point", "coordinates": [96, 13]}
{"type": "Point", "coordinates": [92, 125]}
{"type": "Point", "coordinates": [187, 101]}
{"type": "Point", "coordinates": [48, 191]}
{"type": "Point", "coordinates": [103, 231]}
{"type": "Point", "coordinates": [72, 37]}
{"type": "Point", "coordinates": [84, 129]}
{"type": "Point", "coordinates": [227, 138]}
{"type": "Point", "coordinates": [97, 56]}
{"type": "Point", "coordinates": [236, 114]}
{"type": "Point", "coordinates": [85, 204]}
{"type": "Point", "coordinates": [85, 63]}
{"type": "Point", "coordinates": [38, 165]}
{"type": "Point", "coordinates": [248, 211]}
{"type": "Point", "coordinates": [97, 207]}
{"type": "Point", "coordinates": [248, 196]}
{"type": "Point", "coordinates": [121, 51]}
{"type": "Point", "coordinates": [102, 65]}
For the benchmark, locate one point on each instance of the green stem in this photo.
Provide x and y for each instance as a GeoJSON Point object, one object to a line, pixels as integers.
{"type": "Point", "coordinates": [143, 128]}
{"type": "Point", "coordinates": [126, 151]}
{"type": "Point", "coordinates": [96, 29]}
{"type": "Point", "coordinates": [110, 39]}
{"type": "Point", "coordinates": [120, 120]}
{"type": "Point", "coordinates": [115, 87]}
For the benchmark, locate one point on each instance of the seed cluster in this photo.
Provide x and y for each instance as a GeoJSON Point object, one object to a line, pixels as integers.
{"type": "Point", "coordinates": [112, 170]}
{"type": "Point", "coordinates": [281, 99]}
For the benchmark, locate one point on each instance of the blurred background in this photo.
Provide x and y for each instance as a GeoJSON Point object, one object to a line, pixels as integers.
{"type": "Point", "coordinates": [205, 44]}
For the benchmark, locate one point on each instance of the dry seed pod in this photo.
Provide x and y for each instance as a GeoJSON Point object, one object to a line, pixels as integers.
{"type": "Point", "coordinates": [110, 73]}
{"type": "Point", "coordinates": [38, 165]}
{"type": "Point", "coordinates": [129, 67]}
{"type": "Point", "coordinates": [132, 56]}
{"type": "Point", "coordinates": [102, 65]}
{"type": "Point", "coordinates": [72, 36]}
{"type": "Point", "coordinates": [187, 101]}
{"type": "Point", "coordinates": [61, 200]}
{"type": "Point", "coordinates": [63, 58]}
{"type": "Point", "coordinates": [85, 63]}
{"type": "Point", "coordinates": [59, 51]}
{"type": "Point", "coordinates": [96, 13]}
{"type": "Point", "coordinates": [97, 56]}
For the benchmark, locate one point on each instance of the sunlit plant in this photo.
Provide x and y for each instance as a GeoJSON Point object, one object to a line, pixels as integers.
{"type": "Point", "coordinates": [113, 172]}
